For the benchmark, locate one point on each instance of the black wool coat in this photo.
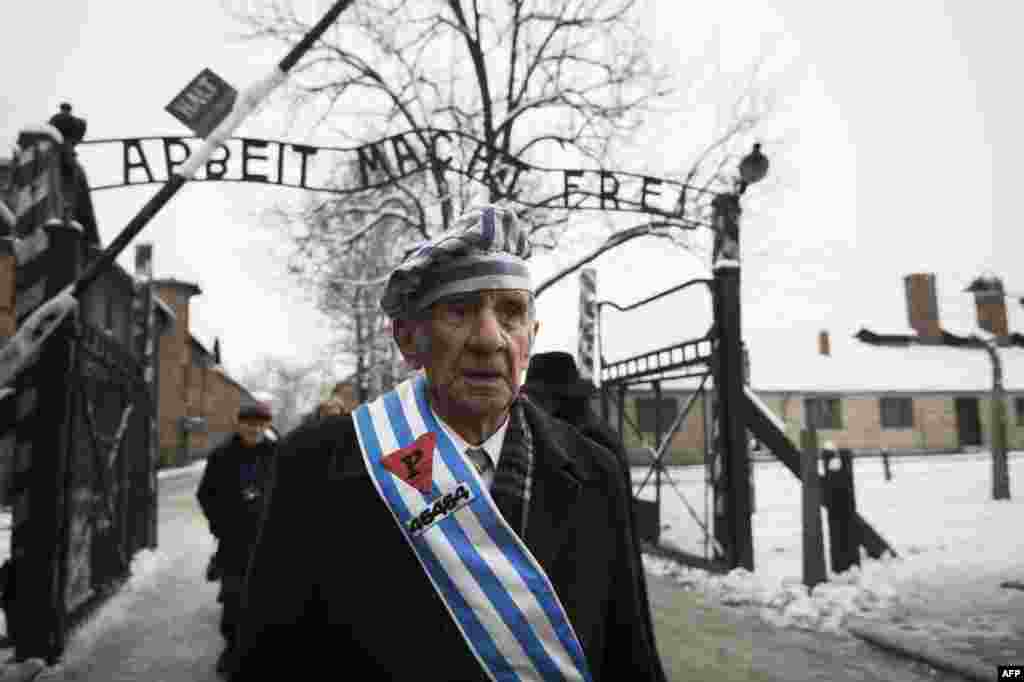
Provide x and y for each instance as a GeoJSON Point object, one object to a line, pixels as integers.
{"type": "Point", "coordinates": [232, 494]}
{"type": "Point", "coordinates": [333, 584]}
{"type": "Point", "coordinates": [585, 420]}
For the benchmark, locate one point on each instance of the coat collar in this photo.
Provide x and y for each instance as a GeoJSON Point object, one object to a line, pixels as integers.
{"type": "Point", "coordinates": [560, 473]}
{"type": "Point", "coordinates": [554, 439]}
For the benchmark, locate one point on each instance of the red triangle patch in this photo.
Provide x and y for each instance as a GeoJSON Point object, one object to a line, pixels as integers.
{"type": "Point", "coordinates": [414, 463]}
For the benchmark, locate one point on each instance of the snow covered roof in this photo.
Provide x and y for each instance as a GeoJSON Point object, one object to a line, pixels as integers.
{"type": "Point", "coordinates": [787, 360]}
{"type": "Point", "coordinates": [854, 366]}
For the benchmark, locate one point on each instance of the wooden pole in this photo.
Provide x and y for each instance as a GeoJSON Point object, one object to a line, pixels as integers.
{"type": "Point", "coordinates": [813, 542]}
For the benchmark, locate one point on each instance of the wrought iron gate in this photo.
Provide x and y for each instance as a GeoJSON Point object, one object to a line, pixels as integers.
{"type": "Point", "coordinates": [83, 487]}
{"type": "Point", "coordinates": [690, 359]}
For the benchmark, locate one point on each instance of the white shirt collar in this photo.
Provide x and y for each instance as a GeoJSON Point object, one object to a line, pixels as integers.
{"type": "Point", "coordinates": [492, 446]}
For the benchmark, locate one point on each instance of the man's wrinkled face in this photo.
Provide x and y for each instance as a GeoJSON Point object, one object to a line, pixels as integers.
{"type": "Point", "coordinates": [252, 431]}
{"type": "Point", "coordinates": [474, 348]}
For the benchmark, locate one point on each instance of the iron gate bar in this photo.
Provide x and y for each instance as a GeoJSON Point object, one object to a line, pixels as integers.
{"type": "Point", "coordinates": [689, 507]}
{"type": "Point", "coordinates": [109, 352]}
{"type": "Point", "coordinates": [610, 371]}
{"type": "Point", "coordinates": [131, 378]}
{"type": "Point", "coordinates": [657, 435]}
{"type": "Point", "coordinates": [692, 375]}
{"type": "Point", "coordinates": [103, 516]}
{"type": "Point", "coordinates": [675, 487]}
{"type": "Point", "coordinates": [680, 416]}
{"type": "Point", "coordinates": [707, 407]}
{"type": "Point", "coordinates": [628, 368]}
{"type": "Point", "coordinates": [655, 297]}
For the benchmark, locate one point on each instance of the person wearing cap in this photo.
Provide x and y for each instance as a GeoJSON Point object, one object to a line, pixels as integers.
{"type": "Point", "coordinates": [450, 529]}
{"type": "Point", "coordinates": [553, 382]}
{"type": "Point", "coordinates": [231, 495]}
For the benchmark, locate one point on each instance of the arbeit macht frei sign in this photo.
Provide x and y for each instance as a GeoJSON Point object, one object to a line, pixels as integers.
{"type": "Point", "coordinates": [149, 160]}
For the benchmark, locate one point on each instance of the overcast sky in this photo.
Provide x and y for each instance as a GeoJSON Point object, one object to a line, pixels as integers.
{"type": "Point", "coordinates": [893, 149]}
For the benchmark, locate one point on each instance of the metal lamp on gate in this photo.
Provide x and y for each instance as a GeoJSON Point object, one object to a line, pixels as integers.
{"type": "Point", "coordinates": [726, 207]}
{"type": "Point", "coordinates": [753, 168]}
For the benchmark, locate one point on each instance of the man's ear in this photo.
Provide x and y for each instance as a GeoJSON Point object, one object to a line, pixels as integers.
{"type": "Point", "coordinates": [404, 334]}
{"type": "Point", "coordinates": [533, 337]}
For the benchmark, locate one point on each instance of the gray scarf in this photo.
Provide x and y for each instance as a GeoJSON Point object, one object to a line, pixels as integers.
{"type": "Point", "coordinates": [513, 479]}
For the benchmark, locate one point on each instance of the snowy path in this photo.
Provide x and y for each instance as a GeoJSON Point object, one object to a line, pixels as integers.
{"type": "Point", "coordinates": [697, 639]}
{"type": "Point", "coordinates": [955, 547]}
{"type": "Point", "coordinates": [163, 626]}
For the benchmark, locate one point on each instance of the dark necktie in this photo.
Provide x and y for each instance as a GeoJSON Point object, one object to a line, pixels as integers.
{"type": "Point", "coordinates": [482, 462]}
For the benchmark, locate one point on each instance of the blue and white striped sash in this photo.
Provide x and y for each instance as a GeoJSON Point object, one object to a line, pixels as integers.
{"type": "Point", "coordinates": [500, 598]}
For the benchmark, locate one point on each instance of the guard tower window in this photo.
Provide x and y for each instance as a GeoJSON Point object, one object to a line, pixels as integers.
{"type": "Point", "coordinates": [897, 413]}
{"type": "Point", "coordinates": [645, 414]}
{"type": "Point", "coordinates": [824, 412]}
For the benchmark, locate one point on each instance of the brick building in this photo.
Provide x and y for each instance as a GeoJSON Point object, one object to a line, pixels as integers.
{"type": "Point", "coordinates": [198, 401]}
{"type": "Point", "coordinates": [901, 400]}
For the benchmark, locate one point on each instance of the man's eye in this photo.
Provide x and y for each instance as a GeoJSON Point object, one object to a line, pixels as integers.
{"type": "Point", "coordinates": [456, 312]}
{"type": "Point", "coordinates": [512, 312]}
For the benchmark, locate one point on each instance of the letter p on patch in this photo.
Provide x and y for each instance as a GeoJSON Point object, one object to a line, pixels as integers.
{"type": "Point", "coordinates": [414, 464]}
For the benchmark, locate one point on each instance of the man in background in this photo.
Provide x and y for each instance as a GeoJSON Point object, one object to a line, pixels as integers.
{"type": "Point", "coordinates": [231, 494]}
{"type": "Point", "coordinates": [554, 383]}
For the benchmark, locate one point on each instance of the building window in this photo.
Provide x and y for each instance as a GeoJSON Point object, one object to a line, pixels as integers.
{"type": "Point", "coordinates": [824, 413]}
{"type": "Point", "coordinates": [645, 414]}
{"type": "Point", "coordinates": [1019, 404]}
{"type": "Point", "coordinates": [897, 413]}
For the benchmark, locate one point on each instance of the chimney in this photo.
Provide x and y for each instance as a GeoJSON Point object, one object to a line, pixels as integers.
{"type": "Point", "coordinates": [824, 345]}
{"type": "Point", "coordinates": [990, 305]}
{"type": "Point", "coordinates": [922, 304]}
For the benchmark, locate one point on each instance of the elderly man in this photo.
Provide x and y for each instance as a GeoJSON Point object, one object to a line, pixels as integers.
{"type": "Point", "coordinates": [231, 495]}
{"type": "Point", "coordinates": [449, 530]}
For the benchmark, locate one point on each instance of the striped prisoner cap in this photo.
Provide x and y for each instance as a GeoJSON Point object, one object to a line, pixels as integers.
{"type": "Point", "coordinates": [486, 248]}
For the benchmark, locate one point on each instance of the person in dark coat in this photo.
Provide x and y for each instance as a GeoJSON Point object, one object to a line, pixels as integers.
{"type": "Point", "coordinates": [341, 401]}
{"type": "Point", "coordinates": [493, 543]}
{"type": "Point", "coordinates": [231, 495]}
{"type": "Point", "coordinates": [553, 382]}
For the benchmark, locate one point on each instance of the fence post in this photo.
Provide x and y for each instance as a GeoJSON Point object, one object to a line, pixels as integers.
{"type": "Point", "coordinates": [45, 409]}
{"type": "Point", "coordinates": [851, 529]}
{"type": "Point", "coordinates": [813, 542]}
{"type": "Point", "coordinates": [732, 426]}
{"type": "Point", "coordinates": [143, 305]}
{"type": "Point", "coordinates": [843, 532]}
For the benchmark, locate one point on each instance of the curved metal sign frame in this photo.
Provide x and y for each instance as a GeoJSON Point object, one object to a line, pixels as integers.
{"type": "Point", "coordinates": [374, 165]}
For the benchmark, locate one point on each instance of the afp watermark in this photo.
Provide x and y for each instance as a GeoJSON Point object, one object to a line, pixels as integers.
{"type": "Point", "coordinates": [1010, 672]}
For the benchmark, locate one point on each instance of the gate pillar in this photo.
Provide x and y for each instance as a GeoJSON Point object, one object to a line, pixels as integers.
{"type": "Point", "coordinates": [36, 612]}
{"type": "Point", "coordinates": [732, 490]}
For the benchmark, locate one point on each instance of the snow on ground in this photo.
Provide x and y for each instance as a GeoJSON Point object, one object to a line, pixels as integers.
{"type": "Point", "coordinates": [195, 467]}
{"type": "Point", "coordinates": [954, 544]}
{"type": "Point", "coordinates": [146, 568]}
